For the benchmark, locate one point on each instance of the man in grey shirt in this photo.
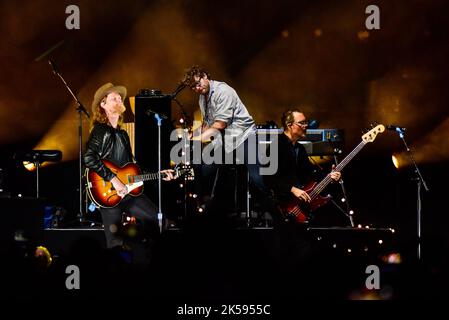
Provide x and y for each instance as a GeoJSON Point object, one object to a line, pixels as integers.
{"type": "Point", "coordinates": [222, 110]}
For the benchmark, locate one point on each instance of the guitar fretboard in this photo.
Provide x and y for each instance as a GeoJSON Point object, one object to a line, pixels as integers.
{"type": "Point", "coordinates": [148, 176]}
{"type": "Point", "coordinates": [323, 184]}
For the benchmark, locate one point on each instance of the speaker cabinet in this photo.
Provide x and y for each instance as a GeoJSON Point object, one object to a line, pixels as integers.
{"type": "Point", "coordinates": [146, 129]}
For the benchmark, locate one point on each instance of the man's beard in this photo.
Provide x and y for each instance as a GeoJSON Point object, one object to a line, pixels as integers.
{"type": "Point", "coordinates": [119, 108]}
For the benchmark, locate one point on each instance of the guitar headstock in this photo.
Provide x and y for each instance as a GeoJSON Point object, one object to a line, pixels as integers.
{"type": "Point", "coordinates": [371, 135]}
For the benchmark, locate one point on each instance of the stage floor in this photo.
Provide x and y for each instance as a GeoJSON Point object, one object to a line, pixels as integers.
{"type": "Point", "coordinates": [206, 262]}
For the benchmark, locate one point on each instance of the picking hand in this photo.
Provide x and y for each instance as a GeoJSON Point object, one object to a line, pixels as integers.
{"type": "Point", "coordinates": [121, 189]}
{"type": "Point", "coordinates": [300, 194]}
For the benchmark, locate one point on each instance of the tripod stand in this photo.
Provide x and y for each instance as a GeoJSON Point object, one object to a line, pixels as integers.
{"type": "Point", "coordinates": [80, 109]}
{"type": "Point", "coordinates": [348, 212]}
{"type": "Point", "coordinates": [419, 183]}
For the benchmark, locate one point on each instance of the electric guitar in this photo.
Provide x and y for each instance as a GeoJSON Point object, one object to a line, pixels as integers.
{"type": "Point", "coordinates": [102, 192]}
{"type": "Point", "coordinates": [299, 210]}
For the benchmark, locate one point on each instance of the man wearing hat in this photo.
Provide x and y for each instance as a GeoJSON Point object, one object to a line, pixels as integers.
{"type": "Point", "coordinates": [109, 141]}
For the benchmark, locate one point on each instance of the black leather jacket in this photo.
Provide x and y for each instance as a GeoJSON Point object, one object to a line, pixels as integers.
{"type": "Point", "coordinates": [105, 142]}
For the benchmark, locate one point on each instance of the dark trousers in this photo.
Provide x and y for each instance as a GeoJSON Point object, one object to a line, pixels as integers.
{"type": "Point", "coordinates": [139, 207]}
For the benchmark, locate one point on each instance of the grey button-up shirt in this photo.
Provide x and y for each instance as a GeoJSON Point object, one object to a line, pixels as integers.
{"type": "Point", "coordinates": [223, 104]}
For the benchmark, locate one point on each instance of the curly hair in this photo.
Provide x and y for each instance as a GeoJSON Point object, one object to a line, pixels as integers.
{"type": "Point", "coordinates": [189, 76]}
{"type": "Point", "coordinates": [100, 117]}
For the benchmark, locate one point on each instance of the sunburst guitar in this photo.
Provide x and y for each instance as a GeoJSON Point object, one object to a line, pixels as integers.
{"type": "Point", "coordinates": [102, 192]}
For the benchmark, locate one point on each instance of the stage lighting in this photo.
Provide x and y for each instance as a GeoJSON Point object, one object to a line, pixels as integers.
{"type": "Point", "coordinates": [29, 165]}
{"type": "Point", "coordinates": [395, 161]}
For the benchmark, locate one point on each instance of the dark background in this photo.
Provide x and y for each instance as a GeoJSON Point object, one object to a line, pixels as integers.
{"type": "Point", "coordinates": [314, 55]}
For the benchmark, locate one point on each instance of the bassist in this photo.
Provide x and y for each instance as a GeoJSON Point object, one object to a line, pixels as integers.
{"type": "Point", "coordinates": [294, 246]}
{"type": "Point", "coordinates": [295, 169]}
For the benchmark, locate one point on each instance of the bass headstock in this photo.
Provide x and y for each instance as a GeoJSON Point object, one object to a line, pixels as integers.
{"type": "Point", "coordinates": [371, 135]}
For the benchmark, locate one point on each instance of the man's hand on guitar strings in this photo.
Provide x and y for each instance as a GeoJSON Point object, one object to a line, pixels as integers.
{"type": "Point", "coordinates": [335, 175]}
{"type": "Point", "coordinates": [300, 194]}
{"type": "Point", "coordinates": [169, 174]}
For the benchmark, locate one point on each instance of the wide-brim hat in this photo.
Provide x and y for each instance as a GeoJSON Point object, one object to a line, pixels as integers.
{"type": "Point", "coordinates": [103, 91]}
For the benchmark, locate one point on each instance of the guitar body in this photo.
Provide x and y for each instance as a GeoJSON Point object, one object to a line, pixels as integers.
{"type": "Point", "coordinates": [103, 193]}
{"type": "Point", "coordinates": [299, 210]}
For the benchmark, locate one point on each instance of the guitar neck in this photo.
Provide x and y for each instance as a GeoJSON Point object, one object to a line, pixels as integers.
{"type": "Point", "coordinates": [323, 184]}
{"type": "Point", "coordinates": [148, 176]}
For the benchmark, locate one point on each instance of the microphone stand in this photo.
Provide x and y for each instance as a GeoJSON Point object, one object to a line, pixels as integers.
{"type": "Point", "coordinates": [419, 183]}
{"type": "Point", "coordinates": [186, 148]}
{"type": "Point", "coordinates": [181, 87]}
{"type": "Point", "coordinates": [80, 109]}
{"type": "Point", "coordinates": [159, 213]}
{"type": "Point", "coordinates": [347, 213]}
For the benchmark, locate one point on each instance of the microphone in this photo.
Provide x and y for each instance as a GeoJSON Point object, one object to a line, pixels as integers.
{"type": "Point", "coordinates": [149, 112]}
{"type": "Point", "coordinates": [395, 128]}
{"type": "Point", "coordinates": [313, 124]}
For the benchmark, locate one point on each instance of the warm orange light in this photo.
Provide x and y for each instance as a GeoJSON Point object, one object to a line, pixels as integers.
{"type": "Point", "coordinates": [395, 161]}
{"type": "Point", "coordinates": [29, 166]}
{"type": "Point", "coordinates": [321, 159]}
{"type": "Point", "coordinates": [362, 35]}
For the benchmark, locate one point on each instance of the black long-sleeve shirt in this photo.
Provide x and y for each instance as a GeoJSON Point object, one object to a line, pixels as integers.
{"type": "Point", "coordinates": [294, 169]}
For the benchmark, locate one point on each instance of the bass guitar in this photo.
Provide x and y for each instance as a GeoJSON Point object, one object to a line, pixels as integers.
{"type": "Point", "coordinates": [102, 192]}
{"type": "Point", "coordinates": [300, 211]}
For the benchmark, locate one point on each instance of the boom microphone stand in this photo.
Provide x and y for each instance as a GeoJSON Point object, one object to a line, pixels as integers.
{"type": "Point", "coordinates": [419, 182]}
{"type": "Point", "coordinates": [80, 109]}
